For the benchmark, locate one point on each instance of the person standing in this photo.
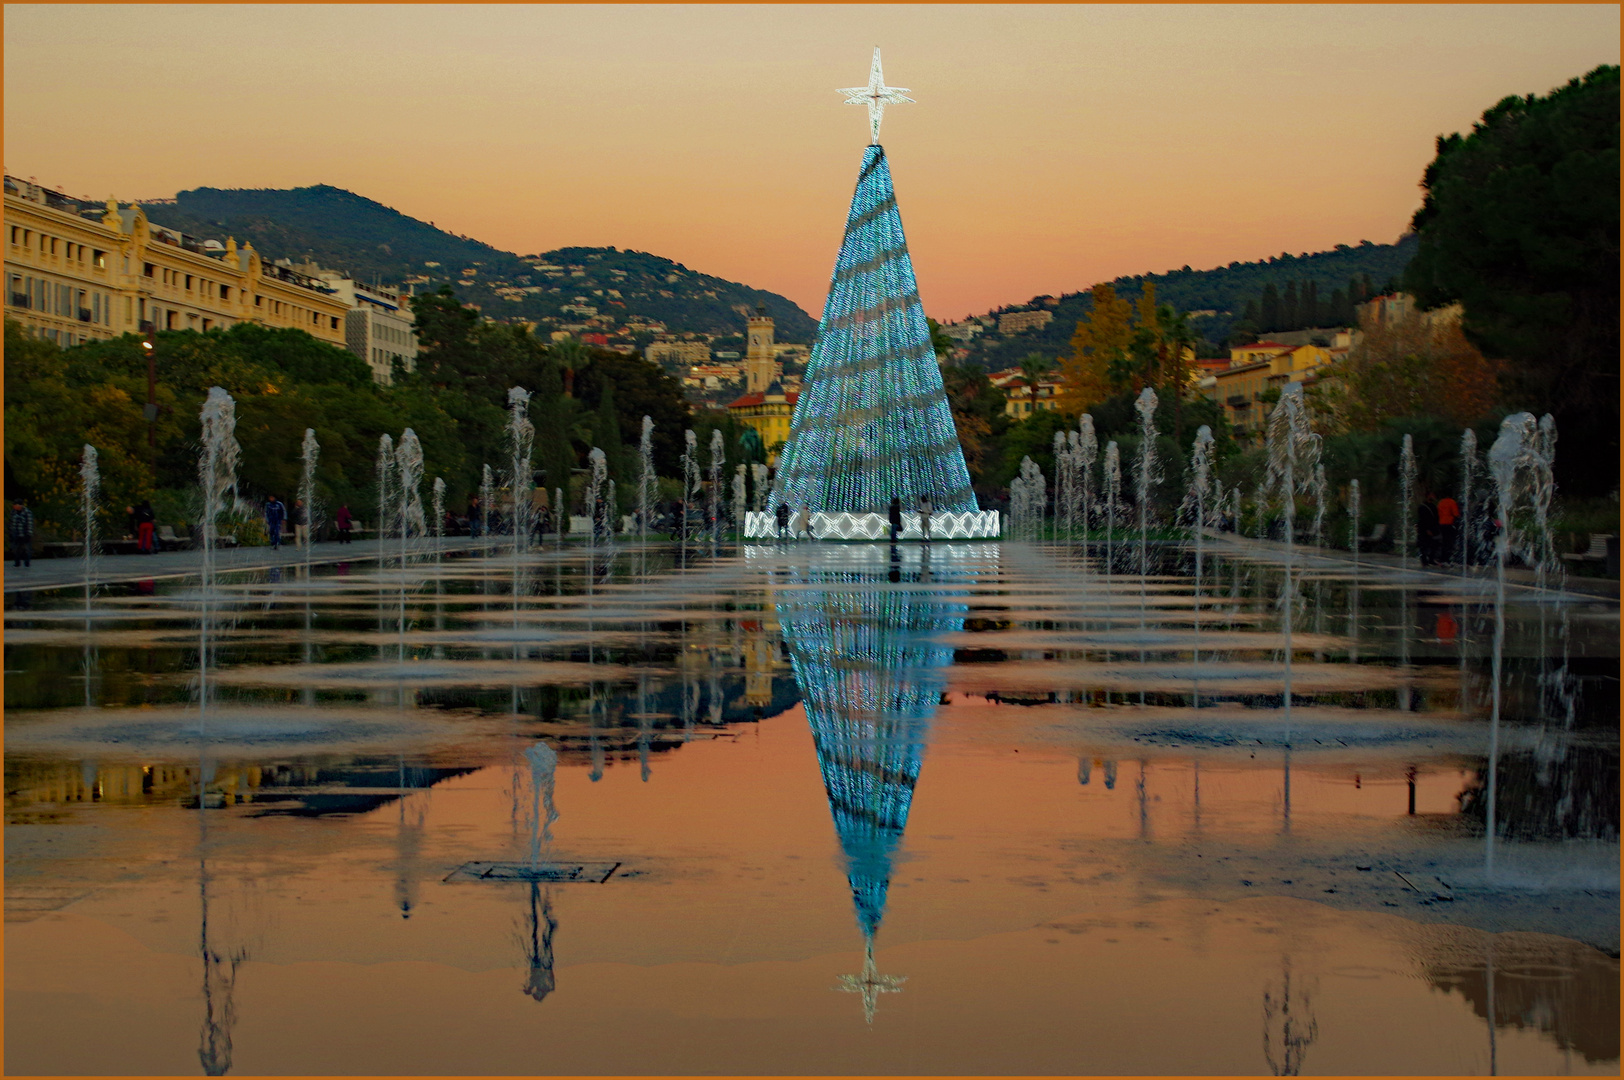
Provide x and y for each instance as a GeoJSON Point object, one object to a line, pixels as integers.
{"type": "Point", "coordinates": [803, 524]}
{"type": "Point", "coordinates": [275, 514]}
{"type": "Point", "coordinates": [301, 524]}
{"type": "Point", "coordinates": [132, 528]}
{"type": "Point", "coordinates": [144, 518]}
{"type": "Point", "coordinates": [1427, 529]}
{"type": "Point", "coordinates": [782, 516]}
{"type": "Point", "coordinates": [21, 530]}
{"type": "Point", "coordinates": [1448, 529]}
{"type": "Point", "coordinates": [476, 518]}
{"type": "Point", "coordinates": [926, 509]}
{"type": "Point", "coordinates": [345, 522]}
{"type": "Point", "coordinates": [894, 513]}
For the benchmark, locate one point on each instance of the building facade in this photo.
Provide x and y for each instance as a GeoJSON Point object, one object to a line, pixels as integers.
{"type": "Point", "coordinates": [761, 365]}
{"type": "Point", "coordinates": [1243, 388]}
{"type": "Point", "coordinates": [377, 326]}
{"type": "Point", "coordinates": [76, 274]}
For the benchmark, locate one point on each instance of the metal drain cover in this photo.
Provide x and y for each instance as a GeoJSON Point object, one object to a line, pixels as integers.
{"type": "Point", "coordinates": [591, 873]}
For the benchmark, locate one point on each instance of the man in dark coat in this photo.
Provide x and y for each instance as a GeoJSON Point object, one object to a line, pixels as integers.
{"type": "Point", "coordinates": [275, 514]}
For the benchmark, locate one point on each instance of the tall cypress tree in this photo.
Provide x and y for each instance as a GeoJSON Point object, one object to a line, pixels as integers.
{"type": "Point", "coordinates": [1269, 310]}
{"type": "Point", "coordinates": [1310, 305]}
{"type": "Point", "coordinates": [1290, 315]}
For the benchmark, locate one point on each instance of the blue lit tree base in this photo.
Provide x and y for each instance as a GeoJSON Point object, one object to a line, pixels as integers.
{"type": "Point", "coordinates": [974, 525]}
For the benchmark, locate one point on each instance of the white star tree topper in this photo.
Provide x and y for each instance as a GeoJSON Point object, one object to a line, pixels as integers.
{"type": "Point", "coordinates": [876, 95]}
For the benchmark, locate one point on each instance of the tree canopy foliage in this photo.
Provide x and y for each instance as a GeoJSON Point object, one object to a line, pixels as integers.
{"type": "Point", "coordinates": [1520, 225]}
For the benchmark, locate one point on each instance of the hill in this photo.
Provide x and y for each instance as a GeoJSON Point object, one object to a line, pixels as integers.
{"type": "Point", "coordinates": [1218, 297]}
{"type": "Point", "coordinates": [373, 242]}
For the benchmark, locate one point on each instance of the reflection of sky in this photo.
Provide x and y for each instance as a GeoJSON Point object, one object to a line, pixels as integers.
{"type": "Point", "coordinates": [864, 645]}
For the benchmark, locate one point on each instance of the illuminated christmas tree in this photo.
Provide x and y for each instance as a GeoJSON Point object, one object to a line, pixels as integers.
{"type": "Point", "coordinates": [873, 422]}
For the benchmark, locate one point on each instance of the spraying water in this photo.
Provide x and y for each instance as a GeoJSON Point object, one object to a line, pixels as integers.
{"type": "Point", "coordinates": [1293, 457]}
{"type": "Point", "coordinates": [1512, 453]}
{"type": "Point", "coordinates": [521, 440]}
{"type": "Point", "coordinates": [740, 505]}
{"type": "Point", "coordinates": [1200, 473]}
{"type": "Point", "coordinates": [1468, 482]}
{"type": "Point", "coordinates": [646, 483]}
{"type": "Point", "coordinates": [594, 491]}
{"type": "Point", "coordinates": [1113, 486]}
{"type": "Point", "coordinates": [487, 485]}
{"type": "Point", "coordinates": [1317, 484]}
{"type": "Point", "coordinates": [1353, 519]}
{"type": "Point", "coordinates": [409, 481]}
{"type": "Point", "coordinates": [713, 502]}
{"type": "Point", "coordinates": [309, 453]}
{"type": "Point", "coordinates": [438, 489]}
{"type": "Point", "coordinates": [89, 493]}
{"type": "Point", "coordinates": [690, 485]}
{"type": "Point", "coordinates": [1406, 505]}
{"type": "Point", "coordinates": [1146, 477]}
{"type": "Point", "coordinates": [543, 772]}
{"type": "Point", "coordinates": [385, 469]}
{"type": "Point", "coordinates": [758, 475]}
{"type": "Point", "coordinates": [1088, 450]}
{"type": "Point", "coordinates": [1062, 484]}
{"type": "Point", "coordinates": [217, 473]}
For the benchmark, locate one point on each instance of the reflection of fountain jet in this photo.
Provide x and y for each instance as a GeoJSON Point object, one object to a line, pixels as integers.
{"type": "Point", "coordinates": [408, 845]}
{"type": "Point", "coordinates": [1287, 1035]}
{"type": "Point", "coordinates": [540, 926]}
{"type": "Point", "coordinates": [219, 967]}
{"type": "Point", "coordinates": [871, 674]}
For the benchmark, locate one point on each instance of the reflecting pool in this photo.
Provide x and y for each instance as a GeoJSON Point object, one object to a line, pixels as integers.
{"type": "Point", "coordinates": [970, 808]}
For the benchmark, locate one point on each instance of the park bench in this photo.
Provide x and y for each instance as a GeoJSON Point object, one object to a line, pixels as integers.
{"type": "Point", "coordinates": [1603, 549]}
{"type": "Point", "coordinates": [168, 541]}
{"type": "Point", "coordinates": [1378, 532]}
{"type": "Point", "coordinates": [61, 549]}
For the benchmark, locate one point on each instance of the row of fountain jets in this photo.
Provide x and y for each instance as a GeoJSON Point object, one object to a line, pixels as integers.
{"type": "Point", "coordinates": [1519, 466]}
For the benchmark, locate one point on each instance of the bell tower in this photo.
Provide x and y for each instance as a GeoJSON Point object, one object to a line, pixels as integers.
{"type": "Point", "coordinates": [760, 370]}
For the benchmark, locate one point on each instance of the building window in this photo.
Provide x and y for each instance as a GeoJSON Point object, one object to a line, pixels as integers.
{"type": "Point", "coordinates": [99, 258]}
{"type": "Point", "coordinates": [147, 269]}
{"type": "Point", "coordinates": [335, 322]}
{"type": "Point", "coordinates": [188, 281]}
{"type": "Point", "coordinates": [225, 292]}
{"type": "Point", "coordinates": [257, 300]}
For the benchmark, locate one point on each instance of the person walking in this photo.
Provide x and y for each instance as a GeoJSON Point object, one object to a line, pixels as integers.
{"type": "Point", "coordinates": [301, 524]}
{"type": "Point", "coordinates": [144, 528]}
{"type": "Point", "coordinates": [926, 509]}
{"type": "Point", "coordinates": [21, 531]}
{"type": "Point", "coordinates": [345, 522]}
{"type": "Point", "coordinates": [476, 518]}
{"type": "Point", "coordinates": [275, 514]}
{"type": "Point", "coordinates": [803, 524]}
{"type": "Point", "coordinates": [782, 516]}
{"type": "Point", "coordinates": [894, 512]}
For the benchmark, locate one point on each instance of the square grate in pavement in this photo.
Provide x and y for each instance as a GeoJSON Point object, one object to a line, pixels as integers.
{"type": "Point", "coordinates": [588, 873]}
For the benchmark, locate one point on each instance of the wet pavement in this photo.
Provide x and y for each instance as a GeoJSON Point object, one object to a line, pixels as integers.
{"type": "Point", "coordinates": [975, 809]}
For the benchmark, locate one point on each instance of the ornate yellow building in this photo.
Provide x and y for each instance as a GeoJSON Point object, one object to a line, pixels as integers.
{"type": "Point", "coordinates": [74, 275]}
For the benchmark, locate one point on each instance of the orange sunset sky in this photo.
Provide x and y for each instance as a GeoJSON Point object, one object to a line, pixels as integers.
{"type": "Point", "coordinates": [1051, 146]}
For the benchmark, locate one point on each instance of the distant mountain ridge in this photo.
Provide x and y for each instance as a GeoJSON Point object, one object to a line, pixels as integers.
{"type": "Point", "coordinates": [1219, 294]}
{"type": "Point", "coordinates": [373, 242]}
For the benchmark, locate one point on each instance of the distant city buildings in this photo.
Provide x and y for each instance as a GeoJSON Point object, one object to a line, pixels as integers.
{"type": "Point", "coordinates": [78, 271]}
{"type": "Point", "coordinates": [1015, 322]}
{"type": "Point", "coordinates": [1021, 398]}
